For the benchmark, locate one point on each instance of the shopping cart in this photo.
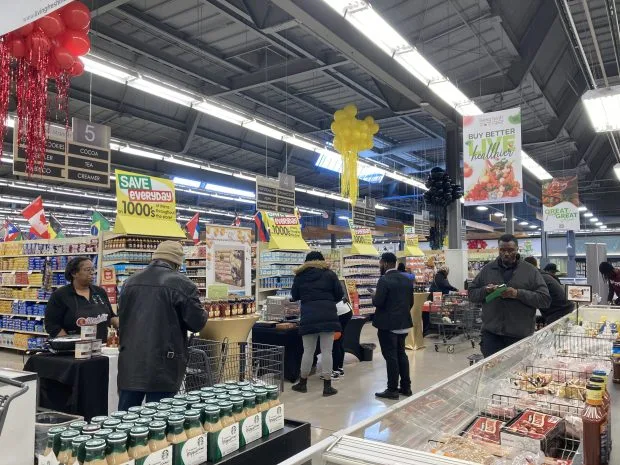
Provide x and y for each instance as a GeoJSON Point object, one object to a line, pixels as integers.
{"type": "Point", "coordinates": [5, 400]}
{"type": "Point", "coordinates": [456, 320]}
{"type": "Point", "coordinates": [213, 362]}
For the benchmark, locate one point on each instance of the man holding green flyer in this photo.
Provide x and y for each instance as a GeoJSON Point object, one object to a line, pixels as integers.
{"type": "Point", "coordinates": [510, 290]}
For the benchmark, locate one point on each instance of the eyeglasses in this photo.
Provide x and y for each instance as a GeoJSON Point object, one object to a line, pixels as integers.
{"type": "Point", "coordinates": [89, 270]}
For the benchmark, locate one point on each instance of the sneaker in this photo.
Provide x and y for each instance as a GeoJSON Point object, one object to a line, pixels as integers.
{"type": "Point", "coordinates": [333, 377]}
{"type": "Point", "coordinates": [340, 372]}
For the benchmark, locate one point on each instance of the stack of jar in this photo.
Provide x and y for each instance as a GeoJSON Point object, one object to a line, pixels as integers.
{"type": "Point", "coordinates": [231, 307]}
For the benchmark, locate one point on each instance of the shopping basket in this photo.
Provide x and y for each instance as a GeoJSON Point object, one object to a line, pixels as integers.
{"type": "Point", "coordinates": [213, 362]}
{"type": "Point", "coordinates": [5, 400]}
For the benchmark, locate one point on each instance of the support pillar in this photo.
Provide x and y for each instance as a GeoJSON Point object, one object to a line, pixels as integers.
{"type": "Point", "coordinates": [332, 236]}
{"type": "Point", "coordinates": [571, 252]}
{"type": "Point", "coordinates": [510, 214]}
{"type": "Point", "coordinates": [544, 251]}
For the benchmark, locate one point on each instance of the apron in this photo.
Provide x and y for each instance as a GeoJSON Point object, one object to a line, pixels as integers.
{"type": "Point", "coordinates": [93, 314]}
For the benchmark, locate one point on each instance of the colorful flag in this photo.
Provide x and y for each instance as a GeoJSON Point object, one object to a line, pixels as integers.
{"type": "Point", "coordinates": [35, 215]}
{"type": "Point", "coordinates": [10, 232]}
{"type": "Point", "coordinates": [263, 234]}
{"type": "Point", "coordinates": [51, 231]}
{"type": "Point", "coordinates": [98, 223]}
{"type": "Point", "coordinates": [192, 229]}
{"type": "Point", "coordinates": [56, 226]}
{"type": "Point", "coordinates": [236, 221]}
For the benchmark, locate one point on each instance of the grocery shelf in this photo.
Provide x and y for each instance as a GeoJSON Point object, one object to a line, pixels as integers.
{"type": "Point", "coordinates": [29, 317]}
{"type": "Point", "coordinates": [20, 271]}
{"type": "Point", "coordinates": [34, 333]}
{"type": "Point", "coordinates": [111, 251]}
{"type": "Point", "coordinates": [72, 254]}
{"type": "Point", "coordinates": [21, 349]}
{"type": "Point", "coordinates": [193, 267]}
{"type": "Point", "coordinates": [19, 299]}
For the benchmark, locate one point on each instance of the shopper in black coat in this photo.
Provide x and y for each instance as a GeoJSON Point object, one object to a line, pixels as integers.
{"type": "Point", "coordinates": [318, 289]}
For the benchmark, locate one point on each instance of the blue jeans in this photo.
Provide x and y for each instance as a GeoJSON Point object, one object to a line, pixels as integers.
{"type": "Point", "coordinates": [128, 399]}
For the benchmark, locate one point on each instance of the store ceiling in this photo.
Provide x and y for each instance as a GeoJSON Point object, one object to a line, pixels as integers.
{"type": "Point", "coordinates": [294, 62]}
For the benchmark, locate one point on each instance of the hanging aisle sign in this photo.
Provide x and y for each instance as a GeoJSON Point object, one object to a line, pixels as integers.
{"type": "Point", "coordinates": [412, 244]}
{"type": "Point", "coordinates": [361, 240]}
{"type": "Point", "coordinates": [492, 157]}
{"type": "Point", "coordinates": [276, 195]}
{"type": "Point", "coordinates": [145, 205]}
{"type": "Point", "coordinates": [422, 223]}
{"type": "Point", "coordinates": [364, 213]}
{"type": "Point", "coordinates": [284, 231]}
{"type": "Point", "coordinates": [27, 11]}
{"type": "Point", "coordinates": [560, 197]}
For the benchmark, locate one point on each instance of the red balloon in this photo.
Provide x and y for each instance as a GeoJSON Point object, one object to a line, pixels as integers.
{"type": "Point", "coordinates": [76, 16]}
{"type": "Point", "coordinates": [39, 45]}
{"type": "Point", "coordinates": [25, 30]}
{"type": "Point", "coordinates": [51, 24]}
{"type": "Point", "coordinates": [76, 42]}
{"type": "Point", "coordinates": [77, 69]}
{"type": "Point", "coordinates": [53, 70]}
{"type": "Point", "coordinates": [18, 48]}
{"type": "Point", "coordinates": [63, 58]}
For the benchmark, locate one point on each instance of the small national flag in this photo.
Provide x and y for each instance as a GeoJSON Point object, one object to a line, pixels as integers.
{"type": "Point", "coordinates": [35, 214]}
{"type": "Point", "coordinates": [10, 232]}
{"type": "Point", "coordinates": [263, 234]}
{"type": "Point", "coordinates": [98, 223]}
{"type": "Point", "coordinates": [56, 226]}
{"type": "Point", "coordinates": [51, 231]}
{"type": "Point", "coordinates": [236, 221]}
{"type": "Point", "coordinates": [192, 229]}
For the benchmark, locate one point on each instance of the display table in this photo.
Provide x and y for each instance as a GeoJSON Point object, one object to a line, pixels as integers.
{"type": "Point", "coordinates": [352, 335]}
{"type": "Point", "coordinates": [289, 339]}
{"type": "Point", "coordinates": [236, 329]}
{"type": "Point", "coordinates": [415, 338]}
{"type": "Point", "coordinates": [78, 387]}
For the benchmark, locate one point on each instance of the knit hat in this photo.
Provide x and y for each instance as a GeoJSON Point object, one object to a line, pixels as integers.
{"type": "Point", "coordinates": [170, 251]}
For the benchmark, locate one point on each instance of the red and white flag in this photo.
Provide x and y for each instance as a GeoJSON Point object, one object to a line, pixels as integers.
{"type": "Point", "coordinates": [192, 229]}
{"type": "Point", "coordinates": [236, 221]}
{"type": "Point", "coordinates": [35, 215]}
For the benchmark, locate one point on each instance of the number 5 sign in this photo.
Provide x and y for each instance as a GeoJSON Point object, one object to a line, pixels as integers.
{"type": "Point", "coordinates": [89, 133]}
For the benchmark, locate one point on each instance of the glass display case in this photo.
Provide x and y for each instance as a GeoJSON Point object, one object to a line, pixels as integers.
{"type": "Point", "coordinates": [503, 387]}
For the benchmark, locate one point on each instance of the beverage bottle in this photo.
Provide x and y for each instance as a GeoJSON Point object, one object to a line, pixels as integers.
{"type": "Point", "coordinates": [600, 378]}
{"type": "Point", "coordinates": [615, 358]}
{"type": "Point", "coordinates": [594, 427]}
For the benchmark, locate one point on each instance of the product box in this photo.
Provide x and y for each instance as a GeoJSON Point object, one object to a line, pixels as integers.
{"type": "Point", "coordinates": [534, 432]}
{"type": "Point", "coordinates": [222, 443]}
{"type": "Point", "coordinates": [484, 429]}
{"type": "Point", "coordinates": [250, 429]}
{"type": "Point", "coordinates": [96, 347]}
{"type": "Point", "coordinates": [161, 457]}
{"type": "Point", "coordinates": [191, 452]}
{"type": "Point", "coordinates": [273, 420]}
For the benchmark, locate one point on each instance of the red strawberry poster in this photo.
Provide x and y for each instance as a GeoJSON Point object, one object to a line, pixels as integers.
{"type": "Point", "coordinates": [492, 157]}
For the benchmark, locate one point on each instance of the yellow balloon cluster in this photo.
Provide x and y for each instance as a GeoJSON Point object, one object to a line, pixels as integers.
{"type": "Point", "coordinates": [351, 136]}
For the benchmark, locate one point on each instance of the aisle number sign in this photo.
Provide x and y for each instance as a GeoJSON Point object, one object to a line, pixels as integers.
{"type": "Point", "coordinates": [284, 231]}
{"type": "Point", "coordinates": [361, 240]}
{"type": "Point", "coordinates": [145, 205]}
{"type": "Point", "coordinates": [412, 244]}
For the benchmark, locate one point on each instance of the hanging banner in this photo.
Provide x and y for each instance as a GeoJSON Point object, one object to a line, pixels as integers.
{"type": "Point", "coordinates": [560, 197]}
{"type": "Point", "coordinates": [276, 195]}
{"type": "Point", "coordinates": [361, 240]}
{"type": "Point", "coordinates": [492, 157]}
{"type": "Point", "coordinates": [145, 205]}
{"type": "Point", "coordinates": [412, 244]}
{"type": "Point", "coordinates": [284, 231]}
{"type": "Point", "coordinates": [27, 11]}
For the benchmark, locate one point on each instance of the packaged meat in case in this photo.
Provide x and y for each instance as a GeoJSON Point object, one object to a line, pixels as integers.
{"type": "Point", "coordinates": [484, 429]}
{"type": "Point", "coordinates": [534, 431]}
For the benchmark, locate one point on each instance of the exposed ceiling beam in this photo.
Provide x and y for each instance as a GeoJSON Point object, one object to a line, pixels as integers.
{"type": "Point", "coordinates": [193, 120]}
{"type": "Point", "coordinates": [109, 6]}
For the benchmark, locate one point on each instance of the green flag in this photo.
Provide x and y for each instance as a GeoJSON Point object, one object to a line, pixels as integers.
{"type": "Point", "coordinates": [98, 223]}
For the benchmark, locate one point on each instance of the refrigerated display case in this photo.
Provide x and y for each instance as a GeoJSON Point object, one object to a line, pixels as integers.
{"type": "Point", "coordinates": [410, 431]}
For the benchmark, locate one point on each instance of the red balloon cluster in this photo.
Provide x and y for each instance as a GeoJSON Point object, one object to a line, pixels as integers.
{"type": "Point", "coordinates": [61, 36]}
{"type": "Point", "coordinates": [477, 244]}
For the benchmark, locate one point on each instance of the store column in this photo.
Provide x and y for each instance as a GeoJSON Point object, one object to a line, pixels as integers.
{"type": "Point", "coordinates": [510, 214]}
{"type": "Point", "coordinates": [571, 252]}
{"type": "Point", "coordinates": [456, 256]}
{"type": "Point", "coordinates": [544, 250]}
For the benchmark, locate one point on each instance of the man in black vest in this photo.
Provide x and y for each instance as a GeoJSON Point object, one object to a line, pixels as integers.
{"type": "Point", "coordinates": [393, 301]}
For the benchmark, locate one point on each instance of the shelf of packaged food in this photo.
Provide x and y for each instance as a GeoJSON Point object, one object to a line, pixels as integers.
{"type": "Point", "coordinates": [34, 333]}
{"type": "Point", "coordinates": [76, 254]}
{"type": "Point", "coordinates": [111, 251]}
{"type": "Point", "coordinates": [275, 276]}
{"type": "Point", "coordinates": [20, 271]}
{"type": "Point", "coordinates": [19, 299]}
{"type": "Point", "coordinates": [268, 289]}
{"type": "Point", "coordinates": [195, 258]}
{"type": "Point", "coordinates": [38, 286]}
{"type": "Point", "coordinates": [29, 317]}
{"type": "Point", "coordinates": [193, 267]}
{"type": "Point", "coordinates": [123, 262]}
{"type": "Point", "coordinates": [282, 263]}
{"type": "Point", "coordinates": [21, 349]}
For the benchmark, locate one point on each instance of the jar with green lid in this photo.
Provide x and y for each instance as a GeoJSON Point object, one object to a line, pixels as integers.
{"type": "Point", "coordinates": [200, 406]}
{"type": "Point", "coordinates": [235, 392]}
{"type": "Point", "coordinates": [206, 396]}
{"type": "Point", "coordinates": [166, 401]}
{"type": "Point", "coordinates": [219, 386]}
{"type": "Point", "coordinates": [177, 410]}
{"type": "Point", "coordinates": [179, 403]}
{"type": "Point", "coordinates": [78, 452]}
{"type": "Point", "coordinates": [262, 405]}
{"type": "Point", "coordinates": [118, 415]}
{"type": "Point", "coordinates": [192, 399]}
{"type": "Point", "coordinates": [222, 397]}
{"type": "Point", "coordinates": [163, 407]}
{"type": "Point", "coordinates": [226, 415]}
{"type": "Point", "coordinates": [130, 417]}
{"type": "Point", "coordinates": [161, 416]}
{"type": "Point", "coordinates": [213, 401]}
{"type": "Point", "coordinates": [247, 389]}
{"type": "Point", "coordinates": [230, 385]}
{"type": "Point", "coordinates": [111, 423]}
{"type": "Point", "coordinates": [212, 423]}
{"type": "Point", "coordinates": [143, 421]}
{"type": "Point", "coordinates": [117, 453]}
{"type": "Point", "coordinates": [139, 442]}
{"type": "Point", "coordinates": [103, 433]}
{"type": "Point", "coordinates": [66, 438]}
{"type": "Point", "coordinates": [194, 393]}
{"type": "Point", "coordinates": [238, 411]}
{"type": "Point", "coordinates": [242, 384]}
{"type": "Point", "coordinates": [78, 425]}
{"type": "Point", "coordinates": [218, 391]}
{"type": "Point", "coordinates": [273, 395]}
{"type": "Point", "coordinates": [157, 436]}
{"type": "Point", "coordinates": [249, 404]}
{"type": "Point", "coordinates": [135, 409]}
{"type": "Point", "coordinates": [176, 429]}
{"type": "Point", "coordinates": [180, 397]}
{"type": "Point", "coordinates": [91, 429]}
{"type": "Point", "coordinates": [98, 420]}
{"type": "Point", "coordinates": [206, 389]}
{"type": "Point", "coordinates": [124, 427]}
{"type": "Point", "coordinates": [53, 439]}
{"type": "Point", "coordinates": [193, 427]}
{"type": "Point", "coordinates": [152, 405]}
{"type": "Point", "coordinates": [147, 413]}
{"type": "Point", "coordinates": [95, 452]}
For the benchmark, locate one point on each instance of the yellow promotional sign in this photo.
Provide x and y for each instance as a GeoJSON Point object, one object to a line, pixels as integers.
{"type": "Point", "coordinates": [412, 244]}
{"type": "Point", "coordinates": [284, 231]}
{"type": "Point", "coordinates": [361, 240]}
{"type": "Point", "coordinates": [145, 205]}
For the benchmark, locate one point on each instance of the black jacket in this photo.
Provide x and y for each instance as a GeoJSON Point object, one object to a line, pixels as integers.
{"type": "Point", "coordinates": [157, 307]}
{"type": "Point", "coordinates": [441, 284]}
{"type": "Point", "coordinates": [393, 301]}
{"type": "Point", "coordinates": [559, 305]}
{"type": "Point", "coordinates": [318, 289]}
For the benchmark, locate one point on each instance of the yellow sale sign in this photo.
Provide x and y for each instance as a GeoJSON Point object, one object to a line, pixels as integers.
{"type": "Point", "coordinates": [284, 231]}
{"type": "Point", "coordinates": [361, 240]}
{"type": "Point", "coordinates": [412, 244]}
{"type": "Point", "coordinates": [145, 205]}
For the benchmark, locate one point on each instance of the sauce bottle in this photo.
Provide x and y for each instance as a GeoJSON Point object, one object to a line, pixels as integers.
{"type": "Point", "coordinates": [66, 439]}
{"type": "Point", "coordinates": [53, 440]}
{"type": "Point", "coordinates": [95, 452]}
{"type": "Point", "coordinates": [594, 427]}
{"type": "Point", "coordinates": [78, 452]}
{"type": "Point", "coordinates": [157, 436]}
{"type": "Point", "coordinates": [117, 449]}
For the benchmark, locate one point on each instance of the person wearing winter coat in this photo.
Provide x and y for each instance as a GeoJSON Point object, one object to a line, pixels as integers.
{"type": "Point", "coordinates": [318, 289]}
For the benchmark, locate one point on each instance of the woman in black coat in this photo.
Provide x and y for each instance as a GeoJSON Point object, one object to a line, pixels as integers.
{"type": "Point", "coordinates": [318, 289]}
{"type": "Point", "coordinates": [440, 284]}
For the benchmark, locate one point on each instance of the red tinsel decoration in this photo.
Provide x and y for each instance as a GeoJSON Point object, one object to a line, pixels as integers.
{"type": "Point", "coordinates": [5, 85]}
{"type": "Point", "coordinates": [477, 244]}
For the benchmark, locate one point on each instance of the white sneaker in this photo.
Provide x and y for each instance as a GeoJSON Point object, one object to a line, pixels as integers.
{"type": "Point", "coordinates": [340, 372]}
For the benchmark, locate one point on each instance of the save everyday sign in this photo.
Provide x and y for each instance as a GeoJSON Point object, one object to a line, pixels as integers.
{"type": "Point", "coordinates": [23, 12]}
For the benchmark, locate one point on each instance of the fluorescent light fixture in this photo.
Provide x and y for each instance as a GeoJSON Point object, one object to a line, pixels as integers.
{"type": "Point", "coordinates": [514, 219]}
{"type": "Point", "coordinates": [534, 168]}
{"type": "Point", "coordinates": [504, 220]}
{"type": "Point", "coordinates": [498, 214]}
{"type": "Point", "coordinates": [449, 93]}
{"type": "Point", "coordinates": [163, 91]}
{"type": "Point", "coordinates": [603, 227]}
{"type": "Point", "coordinates": [617, 171]}
{"type": "Point", "coordinates": [215, 170]}
{"type": "Point", "coordinates": [244, 176]}
{"type": "Point", "coordinates": [366, 19]}
{"type": "Point", "coordinates": [220, 112]}
{"type": "Point", "coordinates": [533, 226]}
{"type": "Point", "coordinates": [332, 161]}
{"type": "Point", "coordinates": [342, 217]}
{"type": "Point", "coordinates": [9, 122]}
{"type": "Point", "coordinates": [593, 220]}
{"type": "Point", "coordinates": [141, 153]}
{"type": "Point", "coordinates": [264, 129]}
{"type": "Point", "coordinates": [482, 208]}
{"type": "Point", "coordinates": [583, 208]}
{"type": "Point", "coordinates": [6, 160]}
{"type": "Point", "coordinates": [114, 73]}
{"type": "Point", "coordinates": [417, 65]}
{"type": "Point", "coordinates": [178, 161]}
{"type": "Point", "coordinates": [523, 223]}
{"type": "Point", "coordinates": [228, 190]}
{"type": "Point", "coordinates": [588, 214]}
{"type": "Point", "coordinates": [603, 105]}
{"type": "Point", "coordinates": [186, 182]}
{"type": "Point", "coordinates": [378, 206]}
{"type": "Point", "coordinates": [599, 223]}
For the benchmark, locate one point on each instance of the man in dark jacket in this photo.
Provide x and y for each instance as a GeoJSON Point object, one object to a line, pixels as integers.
{"type": "Point", "coordinates": [560, 306]}
{"type": "Point", "coordinates": [511, 316]}
{"type": "Point", "coordinates": [157, 307]}
{"type": "Point", "coordinates": [393, 301]}
{"type": "Point", "coordinates": [318, 289]}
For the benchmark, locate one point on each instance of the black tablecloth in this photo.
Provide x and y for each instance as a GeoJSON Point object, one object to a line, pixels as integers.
{"type": "Point", "coordinates": [78, 387]}
{"type": "Point", "coordinates": [352, 335]}
{"type": "Point", "coordinates": [287, 338]}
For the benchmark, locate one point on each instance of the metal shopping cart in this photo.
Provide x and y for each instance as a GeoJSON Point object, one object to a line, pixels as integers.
{"type": "Point", "coordinates": [5, 400]}
{"type": "Point", "coordinates": [456, 320]}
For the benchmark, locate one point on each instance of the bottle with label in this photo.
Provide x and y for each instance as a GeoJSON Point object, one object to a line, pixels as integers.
{"type": "Point", "coordinates": [594, 427]}
{"type": "Point", "coordinates": [66, 438]}
{"type": "Point", "coordinates": [147, 413]}
{"type": "Point", "coordinates": [273, 395]}
{"type": "Point", "coordinates": [226, 415]}
{"type": "Point", "coordinates": [139, 442]}
{"type": "Point", "coordinates": [192, 399]}
{"type": "Point", "coordinates": [117, 449]}
{"type": "Point", "coordinates": [111, 423]}
{"type": "Point", "coordinates": [615, 358]}
{"type": "Point", "coordinates": [249, 404]}
{"type": "Point", "coordinates": [200, 406]}
{"type": "Point", "coordinates": [238, 410]}
{"type": "Point", "coordinates": [78, 452]}
{"type": "Point", "coordinates": [600, 378]}
{"type": "Point", "coordinates": [95, 452]}
{"type": "Point", "coordinates": [193, 427]}
{"type": "Point", "coordinates": [98, 420]}
{"type": "Point", "coordinates": [212, 423]}
{"type": "Point", "coordinates": [78, 425]}
{"type": "Point", "coordinates": [90, 430]}
{"type": "Point", "coordinates": [157, 436]}
{"type": "Point", "coordinates": [262, 404]}
{"type": "Point", "coordinates": [103, 433]}
{"type": "Point", "coordinates": [176, 430]}
{"type": "Point", "coordinates": [164, 407]}
{"type": "Point", "coordinates": [53, 440]}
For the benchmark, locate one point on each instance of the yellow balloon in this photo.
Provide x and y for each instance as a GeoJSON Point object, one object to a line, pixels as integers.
{"type": "Point", "coordinates": [369, 120]}
{"type": "Point", "coordinates": [350, 109]}
{"type": "Point", "coordinates": [340, 115]}
{"type": "Point", "coordinates": [334, 127]}
{"type": "Point", "coordinates": [375, 129]}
